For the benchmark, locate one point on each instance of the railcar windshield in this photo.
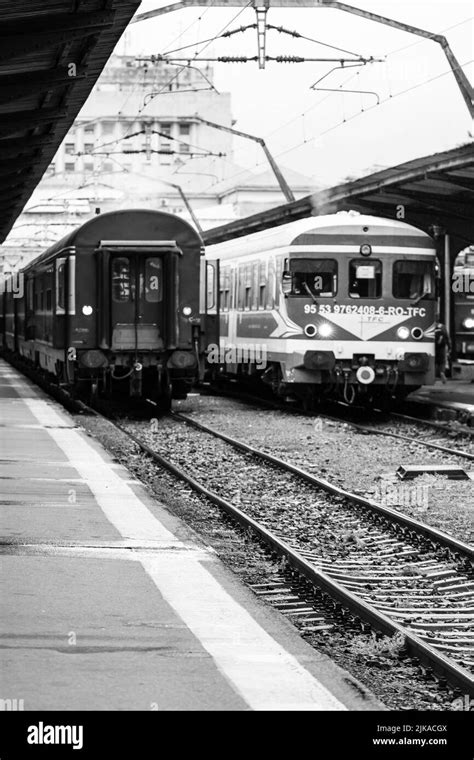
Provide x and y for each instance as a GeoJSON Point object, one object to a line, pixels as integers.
{"type": "Point", "coordinates": [315, 277]}
{"type": "Point", "coordinates": [414, 279]}
{"type": "Point", "coordinates": [365, 278]}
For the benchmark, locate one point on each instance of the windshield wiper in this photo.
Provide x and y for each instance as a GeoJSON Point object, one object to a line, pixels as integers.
{"type": "Point", "coordinates": [417, 300]}
{"type": "Point", "coordinates": [308, 289]}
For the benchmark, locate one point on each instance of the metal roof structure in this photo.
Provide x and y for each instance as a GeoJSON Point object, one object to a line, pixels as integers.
{"type": "Point", "coordinates": [429, 192]}
{"type": "Point", "coordinates": [51, 54]}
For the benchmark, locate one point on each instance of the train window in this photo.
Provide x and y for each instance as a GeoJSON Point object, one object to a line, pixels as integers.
{"type": "Point", "coordinates": [365, 278]}
{"type": "Point", "coordinates": [271, 286]}
{"type": "Point", "coordinates": [49, 300]}
{"type": "Point", "coordinates": [413, 279]}
{"type": "Point", "coordinates": [122, 285]}
{"type": "Point", "coordinates": [314, 277]}
{"type": "Point", "coordinates": [60, 285]}
{"type": "Point", "coordinates": [30, 294]}
{"type": "Point", "coordinates": [153, 280]}
{"type": "Point", "coordinates": [211, 285]}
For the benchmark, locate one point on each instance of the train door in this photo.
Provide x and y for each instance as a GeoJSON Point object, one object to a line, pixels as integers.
{"type": "Point", "coordinates": [136, 301]}
{"type": "Point", "coordinates": [210, 306]}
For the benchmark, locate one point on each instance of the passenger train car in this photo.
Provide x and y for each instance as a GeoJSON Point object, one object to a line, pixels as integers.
{"type": "Point", "coordinates": [114, 304]}
{"type": "Point", "coordinates": [463, 292]}
{"type": "Point", "coordinates": [340, 304]}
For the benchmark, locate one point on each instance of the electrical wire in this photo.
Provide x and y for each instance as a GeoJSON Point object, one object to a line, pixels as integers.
{"type": "Point", "coordinates": [346, 120]}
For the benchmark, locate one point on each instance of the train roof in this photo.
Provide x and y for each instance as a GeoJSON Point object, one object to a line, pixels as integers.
{"type": "Point", "coordinates": [343, 222]}
{"type": "Point", "coordinates": [116, 225]}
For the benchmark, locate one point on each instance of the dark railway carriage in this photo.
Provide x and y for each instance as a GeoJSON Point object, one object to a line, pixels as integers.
{"type": "Point", "coordinates": [114, 304]}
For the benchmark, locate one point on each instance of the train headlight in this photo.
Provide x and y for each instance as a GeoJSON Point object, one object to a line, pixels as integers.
{"type": "Point", "coordinates": [311, 330]}
{"type": "Point", "coordinates": [468, 323]}
{"type": "Point", "coordinates": [365, 249]}
{"type": "Point", "coordinates": [87, 310]}
{"type": "Point", "coordinates": [325, 330]}
{"type": "Point", "coordinates": [403, 333]}
{"type": "Point", "coordinates": [417, 333]}
{"type": "Point", "coordinates": [187, 311]}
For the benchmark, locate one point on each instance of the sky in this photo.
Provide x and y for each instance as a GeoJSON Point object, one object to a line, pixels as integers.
{"type": "Point", "coordinates": [329, 136]}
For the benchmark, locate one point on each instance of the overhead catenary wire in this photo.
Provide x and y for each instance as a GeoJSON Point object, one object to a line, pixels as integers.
{"type": "Point", "coordinates": [345, 120]}
{"type": "Point", "coordinates": [170, 81]}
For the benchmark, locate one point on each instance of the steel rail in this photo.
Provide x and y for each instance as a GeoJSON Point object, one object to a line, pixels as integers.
{"type": "Point", "coordinates": [407, 522]}
{"type": "Point", "coordinates": [360, 609]}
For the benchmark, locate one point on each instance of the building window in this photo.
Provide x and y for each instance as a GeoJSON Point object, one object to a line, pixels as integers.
{"type": "Point", "coordinates": [88, 167]}
{"type": "Point", "coordinates": [70, 148]}
{"type": "Point", "coordinates": [88, 147]}
{"type": "Point", "coordinates": [108, 166]}
{"type": "Point", "coordinates": [89, 129]}
{"type": "Point", "coordinates": [108, 127]}
{"type": "Point", "coordinates": [69, 167]}
{"type": "Point", "coordinates": [183, 148]}
{"type": "Point", "coordinates": [185, 129]}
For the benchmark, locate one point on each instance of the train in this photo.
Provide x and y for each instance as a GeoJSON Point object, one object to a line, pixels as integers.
{"type": "Point", "coordinates": [113, 306]}
{"type": "Point", "coordinates": [463, 292]}
{"type": "Point", "coordinates": [341, 305]}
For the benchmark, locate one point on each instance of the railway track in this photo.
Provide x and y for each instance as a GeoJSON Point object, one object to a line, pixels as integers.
{"type": "Point", "coordinates": [394, 574]}
{"type": "Point", "coordinates": [385, 569]}
{"type": "Point", "coordinates": [467, 452]}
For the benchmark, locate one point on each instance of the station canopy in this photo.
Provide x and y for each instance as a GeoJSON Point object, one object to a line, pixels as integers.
{"type": "Point", "coordinates": [434, 193]}
{"type": "Point", "coordinates": [51, 54]}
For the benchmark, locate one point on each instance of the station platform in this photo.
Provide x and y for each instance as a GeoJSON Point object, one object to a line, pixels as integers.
{"type": "Point", "coordinates": [454, 395]}
{"type": "Point", "coordinates": [112, 603]}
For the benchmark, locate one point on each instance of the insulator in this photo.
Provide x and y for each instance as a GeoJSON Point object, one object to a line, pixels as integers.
{"type": "Point", "coordinates": [289, 59]}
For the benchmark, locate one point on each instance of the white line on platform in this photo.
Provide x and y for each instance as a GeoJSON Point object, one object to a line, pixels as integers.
{"type": "Point", "coordinates": [266, 675]}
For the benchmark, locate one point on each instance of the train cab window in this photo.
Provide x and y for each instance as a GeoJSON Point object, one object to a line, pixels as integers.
{"type": "Point", "coordinates": [153, 280]}
{"type": "Point", "coordinates": [122, 284]}
{"type": "Point", "coordinates": [313, 277]}
{"type": "Point", "coordinates": [365, 278]}
{"type": "Point", "coordinates": [413, 279]}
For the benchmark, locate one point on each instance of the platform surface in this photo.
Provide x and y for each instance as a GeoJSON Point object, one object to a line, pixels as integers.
{"type": "Point", "coordinates": [109, 602]}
